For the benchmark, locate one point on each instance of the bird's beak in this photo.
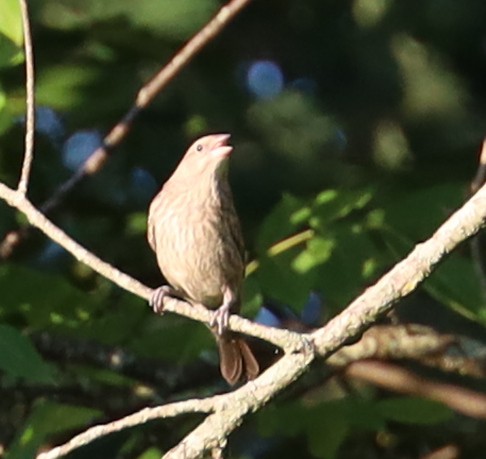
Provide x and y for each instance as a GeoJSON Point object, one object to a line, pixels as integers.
{"type": "Point", "coordinates": [220, 147]}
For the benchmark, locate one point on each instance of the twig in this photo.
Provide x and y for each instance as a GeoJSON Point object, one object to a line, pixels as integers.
{"type": "Point", "coordinates": [399, 379]}
{"type": "Point", "coordinates": [476, 242]}
{"type": "Point", "coordinates": [387, 342]}
{"type": "Point", "coordinates": [29, 119]}
{"type": "Point", "coordinates": [141, 417]}
{"type": "Point", "coordinates": [480, 177]}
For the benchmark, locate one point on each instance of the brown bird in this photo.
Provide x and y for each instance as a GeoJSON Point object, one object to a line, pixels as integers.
{"type": "Point", "coordinates": [195, 232]}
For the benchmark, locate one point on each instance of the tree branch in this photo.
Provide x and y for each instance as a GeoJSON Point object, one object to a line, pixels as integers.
{"type": "Point", "coordinates": [398, 379]}
{"type": "Point", "coordinates": [29, 118]}
{"type": "Point", "coordinates": [141, 417]}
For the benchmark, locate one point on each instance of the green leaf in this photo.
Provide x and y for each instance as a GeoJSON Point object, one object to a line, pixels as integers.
{"type": "Point", "coordinates": [279, 281]}
{"type": "Point", "coordinates": [327, 434]}
{"type": "Point", "coordinates": [417, 213]}
{"type": "Point", "coordinates": [49, 418]}
{"type": "Point", "coordinates": [11, 21]}
{"type": "Point", "coordinates": [172, 338]}
{"type": "Point", "coordinates": [177, 20]}
{"type": "Point", "coordinates": [151, 453]}
{"type": "Point", "coordinates": [331, 205]}
{"type": "Point", "coordinates": [45, 300]}
{"type": "Point", "coordinates": [64, 87]}
{"type": "Point", "coordinates": [326, 425]}
{"type": "Point", "coordinates": [455, 283]}
{"type": "Point", "coordinates": [411, 410]}
{"type": "Point", "coordinates": [10, 54]}
{"type": "Point", "coordinates": [353, 262]}
{"type": "Point", "coordinates": [288, 215]}
{"type": "Point", "coordinates": [19, 358]}
{"type": "Point", "coordinates": [116, 325]}
{"type": "Point", "coordinates": [252, 296]}
{"type": "Point", "coordinates": [318, 251]}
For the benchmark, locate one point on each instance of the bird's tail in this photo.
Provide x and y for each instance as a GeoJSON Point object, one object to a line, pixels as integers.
{"type": "Point", "coordinates": [237, 361]}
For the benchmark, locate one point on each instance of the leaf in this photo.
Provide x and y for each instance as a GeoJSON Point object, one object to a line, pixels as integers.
{"type": "Point", "coordinates": [252, 296]}
{"type": "Point", "coordinates": [49, 418]}
{"type": "Point", "coordinates": [172, 338]}
{"type": "Point", "coordinates": [455, 283]}
{"type": "Point", "coordinates": [417, 213]}
{"type": "Point", "coordinates": [19, 358]}
{"type": "Point", "coordinates": [10, 54]}
{"type": "Point", "coordinates": [318, 251]}
{"type": "Point", "coordinates": [11, 21]}
{"type": "Point", "coordinates": [45, 300]}
{"type": "Point", "coordinates": [331, 205]}
{"type": "Point", "coordinates": [353, 262]}
{"type": "Point", "coordinates": [326, 424]}
{"type": "Point", "coordinates": [177, 20]}
{"type": "Point", "coordinates": [280, 282]}
{"type": "Point", "coordinates": [64, 87]}
{"type": "Point", "coordinates": [288, 215]}
{"type": "Point", "coordinates": [411, 410]}
{"type": "Point", "coordinates": [326, 435]}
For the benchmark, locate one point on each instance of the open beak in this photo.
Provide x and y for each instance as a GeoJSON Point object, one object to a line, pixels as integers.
{"type": "Point", "coordinates": [220, 147]}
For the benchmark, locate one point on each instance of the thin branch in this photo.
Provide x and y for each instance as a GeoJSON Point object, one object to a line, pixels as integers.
{"type": "Point", "coordinates": [141, 417]}
{"type": "Point", "coordinates": [398, 379]}
{"type": "Point", "coordinates": [480, 177]}
{"type": "Point", "coordinates": [387, 342]}
{"type": "Point", "coordinates": [476, 242]}
{"type": "Point", "coordinates": [282, 246]}
{"type": "Point", "coordinates": [30, 115]}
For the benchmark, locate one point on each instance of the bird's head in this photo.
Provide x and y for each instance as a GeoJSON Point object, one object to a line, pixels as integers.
{"type": "Point", "coordinates": [206, 158]}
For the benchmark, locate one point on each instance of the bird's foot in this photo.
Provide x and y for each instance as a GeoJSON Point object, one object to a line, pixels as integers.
{"type": "Point", "coordinates": [157, 299]}
{"type": "Point", "coordinates": [220, 318]}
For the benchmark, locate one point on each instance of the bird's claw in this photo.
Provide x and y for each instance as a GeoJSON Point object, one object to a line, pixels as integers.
{"type": "Point", "coordinates": [220, 318]}
{"type": "Point", "coordinates": [157, 299]}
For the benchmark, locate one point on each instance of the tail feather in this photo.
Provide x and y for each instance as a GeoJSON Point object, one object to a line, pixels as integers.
{"type": "Point", "coordinates": [237, 361]}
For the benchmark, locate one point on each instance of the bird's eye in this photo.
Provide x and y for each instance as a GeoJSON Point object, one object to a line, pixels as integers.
{"type": "Point", "coordinates": [199, 147]}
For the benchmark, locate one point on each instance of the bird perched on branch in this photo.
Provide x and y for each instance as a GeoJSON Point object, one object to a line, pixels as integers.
{"type": "Point", "coordinates": [195, 232]}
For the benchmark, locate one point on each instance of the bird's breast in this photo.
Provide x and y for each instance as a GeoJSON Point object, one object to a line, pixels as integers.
{"type": "Point", "coordinates": [195, 247]}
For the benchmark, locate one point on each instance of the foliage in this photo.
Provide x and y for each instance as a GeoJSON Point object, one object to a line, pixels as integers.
{"type": "Point", "coordinates": [363, 151]}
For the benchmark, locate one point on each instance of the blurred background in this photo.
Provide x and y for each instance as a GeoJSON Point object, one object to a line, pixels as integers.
{"type": "Point", "coordinates": [357, 127]}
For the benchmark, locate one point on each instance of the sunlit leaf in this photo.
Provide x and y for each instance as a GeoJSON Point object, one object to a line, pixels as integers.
{"type": "Point", "coordinates": [11, 21]}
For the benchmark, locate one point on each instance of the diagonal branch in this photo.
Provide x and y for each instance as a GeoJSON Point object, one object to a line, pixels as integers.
{"type": "Point", "coordinates": [29, 119]}
{"type": "Point", "coordinates": [147, 414]}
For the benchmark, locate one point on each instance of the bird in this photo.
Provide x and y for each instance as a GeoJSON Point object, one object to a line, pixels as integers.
{"type": "Point", "coordinates": [195, 232]}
